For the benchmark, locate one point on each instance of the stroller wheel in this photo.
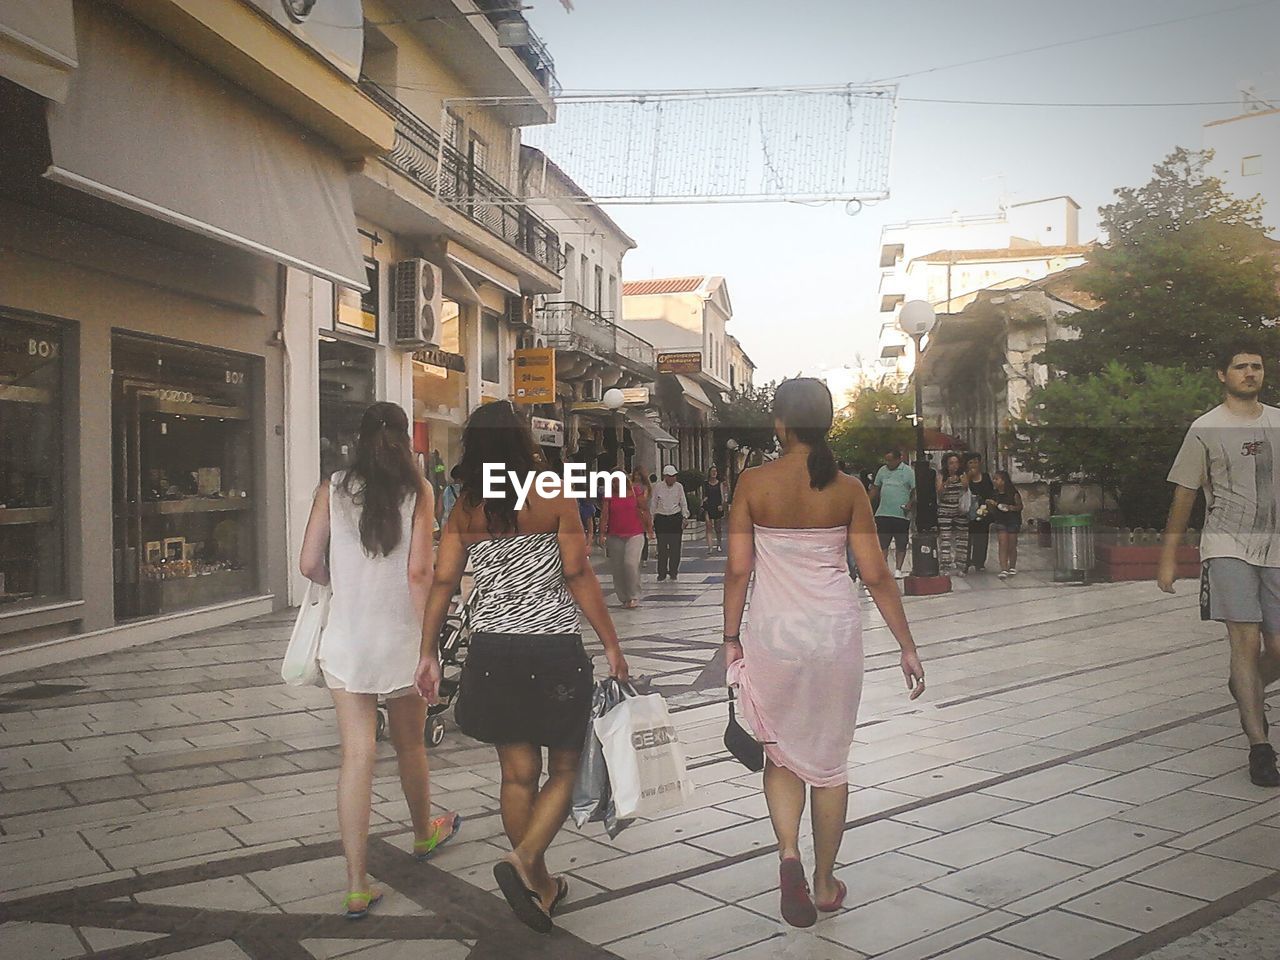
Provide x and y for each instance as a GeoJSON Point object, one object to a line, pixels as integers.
{"type": "Point", "coordinates": [435, 731]}
{"type": "Point", "coordinates": [380, 732]}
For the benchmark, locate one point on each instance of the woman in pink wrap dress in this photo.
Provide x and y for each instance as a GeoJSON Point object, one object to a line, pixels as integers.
{"type": "Point", "coordinates": [798, 669]}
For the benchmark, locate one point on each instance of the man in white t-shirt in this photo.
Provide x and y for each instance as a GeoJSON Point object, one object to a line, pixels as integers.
{"type": "Point", "coordinates": [1232, 453]}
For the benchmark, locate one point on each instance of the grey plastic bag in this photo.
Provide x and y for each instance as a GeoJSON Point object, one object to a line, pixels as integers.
{"type": "Point", "coordinates": [592, 795]}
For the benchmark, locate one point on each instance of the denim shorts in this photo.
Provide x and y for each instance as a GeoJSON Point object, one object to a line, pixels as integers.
{"type": "Point", "coordinates": [1234, 591]}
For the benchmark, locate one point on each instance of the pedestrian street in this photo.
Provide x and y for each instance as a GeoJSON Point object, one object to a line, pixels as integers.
{"type": "Point", "coordinates": [1072, 786]}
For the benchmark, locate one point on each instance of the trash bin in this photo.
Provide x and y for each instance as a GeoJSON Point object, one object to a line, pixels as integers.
{"type": "Point", "coordinates": [1072, 547]}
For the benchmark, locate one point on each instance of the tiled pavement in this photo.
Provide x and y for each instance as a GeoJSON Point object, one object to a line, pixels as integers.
{"type": "Point", "coordinates": [1072, 787]}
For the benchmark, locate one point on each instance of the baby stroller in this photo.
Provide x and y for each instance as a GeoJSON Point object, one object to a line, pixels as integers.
{"type": "Point", "coordinates": [455, 637]}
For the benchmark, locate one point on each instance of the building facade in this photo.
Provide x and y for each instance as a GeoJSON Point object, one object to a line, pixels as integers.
{"type": "Point", "coordinates": [1246, 156]}
{"type": "Point", "coordinates": [592, 353]}
{"type": "Point", "coordinates": [686, 320]}
{"type": "Point", "coordinates": [443, 235]}
{"type": "Point", "coordinates": [946, 260]}
{"type": "Point", "coordinates": [169, 167]}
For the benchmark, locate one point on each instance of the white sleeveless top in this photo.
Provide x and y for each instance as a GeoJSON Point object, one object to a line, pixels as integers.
{"type": "Point", "coordinates": [372, 640]}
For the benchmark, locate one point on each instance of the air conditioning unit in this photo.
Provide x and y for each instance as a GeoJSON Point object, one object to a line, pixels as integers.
{"type": "Point", "coordinates": [418, 303]}
{"type": "Point", "coordinates": [592, 390]}
{"type": "Point", "coordinates": [520, 311]}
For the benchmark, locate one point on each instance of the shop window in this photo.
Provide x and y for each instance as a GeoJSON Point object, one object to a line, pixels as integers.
{"type": "Point", "coordinates": [348, 385]}
{"type": "Point", "coordinates": [184, 509]}
{"type": "Point", "coordinates": [32, 545]}
{"type": "Point", "coordinates": [490, 349]}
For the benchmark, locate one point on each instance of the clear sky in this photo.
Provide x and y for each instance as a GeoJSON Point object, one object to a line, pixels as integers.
{"type": "Point", "coordinates": [803, 279]}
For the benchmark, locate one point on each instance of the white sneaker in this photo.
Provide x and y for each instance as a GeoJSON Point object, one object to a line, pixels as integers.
{"type": "Point", "coordinates": [1012, 572]}
{"type": "Point", "coordinates": [898, 575]}
{"type": "Point", "coordinates": [1004, 574]}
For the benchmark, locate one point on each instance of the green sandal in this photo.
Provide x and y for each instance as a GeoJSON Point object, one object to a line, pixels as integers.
{"type": "Point", "coordinates": [358, 905]}
{"type": "Point", "coordinates": [422, 849]}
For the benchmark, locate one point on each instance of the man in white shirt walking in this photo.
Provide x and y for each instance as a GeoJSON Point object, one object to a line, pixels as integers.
{"type": "Point", "coordinates": [1232, 454]}
{"type": "Point", "coordinates": [669, 508]}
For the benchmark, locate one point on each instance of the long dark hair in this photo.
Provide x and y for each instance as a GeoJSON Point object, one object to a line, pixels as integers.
{"type": "Point", "coordinates": [1008, 481]}
{"type": "Point", "coordinates": [381, 476]}
{"type": "Point", "coordinates": [946, 468]}
{"type": "Point", "coordinates": [495, 433]}
{"type": "Point", "coordinates": [803, 405]}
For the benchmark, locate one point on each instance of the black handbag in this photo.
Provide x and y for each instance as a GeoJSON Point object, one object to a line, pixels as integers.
{"type": "Point", "coordinates": [745, 748]}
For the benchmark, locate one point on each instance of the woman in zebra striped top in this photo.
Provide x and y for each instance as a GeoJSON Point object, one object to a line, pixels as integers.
{"type": "Point", "coordinates": [527, 681]}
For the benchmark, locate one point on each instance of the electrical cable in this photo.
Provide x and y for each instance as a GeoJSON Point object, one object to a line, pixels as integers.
{"type": "Point", "coordinates": [1071, 42]}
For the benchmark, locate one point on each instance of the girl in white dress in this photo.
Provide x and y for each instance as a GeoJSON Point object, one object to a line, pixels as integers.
{"type": "Point", "coordinates": [369, 537]}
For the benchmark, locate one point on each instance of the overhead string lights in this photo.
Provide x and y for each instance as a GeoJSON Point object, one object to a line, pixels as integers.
{"type": "Point", "coordinates": [808, 144]}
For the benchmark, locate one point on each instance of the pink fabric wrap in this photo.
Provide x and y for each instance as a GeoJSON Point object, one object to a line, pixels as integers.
{"type": "Point", "coordinates": [800, 680]}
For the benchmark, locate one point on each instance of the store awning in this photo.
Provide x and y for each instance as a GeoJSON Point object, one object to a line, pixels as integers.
{"type": "Point", "coordinates": [650, 429]}
{"type": "Point", "coordinates": [466, 291]}
{"type": "Point", "coordinates": [693, 392]}
{"type": "Point", "coordinates": [38, 45]}
{"type": "Point", "coordinates": [147, 128]}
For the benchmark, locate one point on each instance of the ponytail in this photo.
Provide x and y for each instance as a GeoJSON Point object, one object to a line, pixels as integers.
{"type": "Point", "coordinates": [822, 462]}
{"type": "Point", "coordinates": [804, 406]}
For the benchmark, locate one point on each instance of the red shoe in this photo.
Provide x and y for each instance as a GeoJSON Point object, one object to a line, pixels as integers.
{"type": "Point", "coordinates": [797, 903]}
{"type": "Point", "coordinates": [838, 903]}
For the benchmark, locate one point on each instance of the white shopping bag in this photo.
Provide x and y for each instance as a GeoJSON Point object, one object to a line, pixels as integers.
{"type": "Point", "coordinates": [301, 665]}
{"type": "Point", "coordinates": [646, 763]}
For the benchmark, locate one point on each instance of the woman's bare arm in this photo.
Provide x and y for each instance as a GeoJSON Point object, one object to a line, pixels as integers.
{"type": "Point", "coordinates": [421, 560]}
{"type": "Point", "coordinates": [313, 560]}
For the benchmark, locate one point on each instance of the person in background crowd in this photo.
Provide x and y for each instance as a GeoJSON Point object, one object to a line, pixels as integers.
{"type": "Point", "coordinates": [1232, 454]}
{"type": "Point", "coordinates": [369, 538]}
{"type": "Point", "coordinates": [799, 666]}
{"type": "Point", "coordinates": [714, 496]}
{"type": "Point", "coordinates": [625, 523]}
{"type": "Point", "coordinates": [527, 681]}
{"type": "Point", "coordinates": [981, 491]}
{"type": "Point", "coordinates": [953, 518]}
{"type": "Point", "coordinates": [638, 475]}
{"type": "Point", "coordinates": [1006, 510]}
{"type": "Point", "coordinates": [894, 494]}
{"type": "Point", "coordinates": [587, 512]}
{"type": "Point", "coordinates": [670, 509]}
{"type": "Point", "coordinates": [448, 497]}
{"type": "Point", "coordinates": [926, 496]}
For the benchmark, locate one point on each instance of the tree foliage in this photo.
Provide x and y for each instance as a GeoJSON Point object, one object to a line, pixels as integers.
{"type": "Point", "coordinates": [1185, 266]}
{"type": "Point", "coordinates": [1119, 428]}
{"type": "Point", "coordinates": [746, 416]}
{"type": "Point", "coordinates": [877, 420]}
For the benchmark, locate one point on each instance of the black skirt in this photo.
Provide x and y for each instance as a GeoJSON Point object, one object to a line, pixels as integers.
{"type": "Point", "coordinates": [525, 688]}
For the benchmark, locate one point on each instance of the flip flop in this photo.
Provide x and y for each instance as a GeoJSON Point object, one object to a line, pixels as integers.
{"type": "Point", "coordinates": [797, 903]}
{"type": "Point", "coordinates": [562, 891]}
{"type": "Point", "coordinates": [422, 849]}
{"type": "Point", "coordinates": [524, 903]}
{"type": "Point", "coordinates": [838, 902]}
{"type": "Point", "coordinates": [358, 905]}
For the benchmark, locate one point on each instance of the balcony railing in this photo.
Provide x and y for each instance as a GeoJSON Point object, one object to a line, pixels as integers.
{"type": "Point", "coordinates": [533, 54]}
{"type": "Point", "coordinates": [444, 171]}
{"type": "Point", "coordinates": [569, 325]}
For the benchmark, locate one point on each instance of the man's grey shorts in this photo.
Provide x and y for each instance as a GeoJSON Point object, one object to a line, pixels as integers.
{"type": "Point", "coordinates": [1234, 591]}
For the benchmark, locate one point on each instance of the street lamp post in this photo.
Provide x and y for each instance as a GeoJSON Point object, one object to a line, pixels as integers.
{"type": "Point", "coordinates": [613, 400]}
{"type": "Point", "coordinates": [916, 320]}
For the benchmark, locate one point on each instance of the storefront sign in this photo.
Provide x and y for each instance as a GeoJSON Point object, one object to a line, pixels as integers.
{"type": "Point", "coordinates": [535, 376]}
{"type": "Point", "coordinates": [547, 433]}
{"type": "Point", "coordinates": [357, 312]}
{"type": "Point", "coordinates": [688, 361]}
{"type": "Point", "coordinates": [442, 358]}
{"type": "Point", "coordinates": [635, 396]}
